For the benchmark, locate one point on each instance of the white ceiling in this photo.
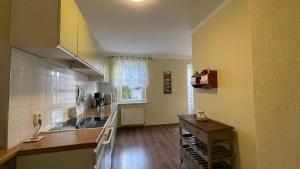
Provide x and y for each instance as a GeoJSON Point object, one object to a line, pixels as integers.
{"type": "Point", "coordinates": [152, 27]}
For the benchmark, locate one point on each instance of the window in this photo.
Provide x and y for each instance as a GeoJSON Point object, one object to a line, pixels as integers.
{"type": "Point", "coordinates": [131, 79]}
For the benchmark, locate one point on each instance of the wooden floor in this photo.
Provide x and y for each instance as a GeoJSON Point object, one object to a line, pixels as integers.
{"type": "Point", "coordinates": [152, 147]}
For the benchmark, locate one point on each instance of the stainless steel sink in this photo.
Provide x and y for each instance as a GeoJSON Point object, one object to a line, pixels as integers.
{"type": "Point", "coordinates": [81, 123]}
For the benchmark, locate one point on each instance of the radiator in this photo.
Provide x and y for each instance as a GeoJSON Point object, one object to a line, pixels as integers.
{"type": "Point", "coordinates": [132, 116]}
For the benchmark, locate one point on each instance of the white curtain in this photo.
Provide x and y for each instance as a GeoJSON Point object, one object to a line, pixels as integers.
{"type": "Point", "coordinates": [130, 71]}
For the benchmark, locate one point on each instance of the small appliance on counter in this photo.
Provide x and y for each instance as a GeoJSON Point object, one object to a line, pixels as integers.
{"type": "Point", "coordinates": [108, 99]}
{"type": "Point", "coordinates": [99, 99]}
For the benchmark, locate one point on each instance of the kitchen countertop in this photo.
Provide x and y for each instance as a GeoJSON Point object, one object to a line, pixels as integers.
{"type": "Point", "coordinates": [63, 140]}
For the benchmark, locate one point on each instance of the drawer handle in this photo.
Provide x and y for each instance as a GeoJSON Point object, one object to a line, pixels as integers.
{"type": "Point", "coordinates": [109, 139]}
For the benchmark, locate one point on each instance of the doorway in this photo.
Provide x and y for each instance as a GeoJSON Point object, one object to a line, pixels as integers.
{"type": "Point", "coordinates": [190, 89]}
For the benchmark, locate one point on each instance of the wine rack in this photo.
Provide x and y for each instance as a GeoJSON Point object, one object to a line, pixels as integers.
{"type": "Point", "coordinates": [205, 145]}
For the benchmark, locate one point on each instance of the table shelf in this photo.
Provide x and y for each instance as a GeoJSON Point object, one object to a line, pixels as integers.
{"type": "Point", "coordinates": [205, 145]}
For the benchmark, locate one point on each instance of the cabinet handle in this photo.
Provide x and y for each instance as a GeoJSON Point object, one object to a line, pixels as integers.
{"type": "Point", "coordinates": [110, 136]}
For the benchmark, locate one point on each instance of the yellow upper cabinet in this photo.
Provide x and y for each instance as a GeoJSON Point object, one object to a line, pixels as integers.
{"type": "Point", "coordinates": [55, 29]}
{"type": "Point", "coordinates": [44, 24]}
{"type": "Point", "coordinates": [88, 48]}
{"type": "Point", "coordinates": [68, 25]}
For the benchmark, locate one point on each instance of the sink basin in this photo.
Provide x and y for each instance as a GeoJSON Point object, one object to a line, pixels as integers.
{"type": "Point", "coordinates": [81, 123]}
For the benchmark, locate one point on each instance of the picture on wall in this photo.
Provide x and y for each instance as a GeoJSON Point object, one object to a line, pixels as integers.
{"type": "Point", "coordinates": [167, 82]}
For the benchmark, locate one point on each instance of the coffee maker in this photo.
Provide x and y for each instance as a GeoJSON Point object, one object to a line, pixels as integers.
{"type": "Point", "coordinates": [99, 99]}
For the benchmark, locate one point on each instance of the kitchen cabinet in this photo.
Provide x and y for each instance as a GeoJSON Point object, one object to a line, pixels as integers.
{"type": "Point", "coordinates": [69, 14]}
{"type": "Point", "coordinates": [56, 29]}
{"type": "Point", "coordinates": [73, 159]}
{"type": "Point", "coordinates": [48, 27]}
{"type": "Point", "coordinates": [105, 160]}
{"type": "Point", "coordinates": [115, 126]}
{"type": "Point", "coordinates": [85, 158]}
{"type": "Point", "coordinates": [75, 149]}
{"type": "Point", "coordinates": [88, 48]}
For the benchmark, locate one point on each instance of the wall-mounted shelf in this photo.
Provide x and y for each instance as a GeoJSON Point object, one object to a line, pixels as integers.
{"type": "Point", "coordinates": [208, 79]}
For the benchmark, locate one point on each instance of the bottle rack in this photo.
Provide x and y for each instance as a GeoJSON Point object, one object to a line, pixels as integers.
{"type": "Point", "coordinates": [205, 145]}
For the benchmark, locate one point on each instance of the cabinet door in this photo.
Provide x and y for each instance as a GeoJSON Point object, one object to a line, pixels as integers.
{"type": "Point", "coordinates": [69, 25]}
{"type": "Point", "coordinates": [115, 125]}
{"type": "Point", "coordinates": [88, 48]}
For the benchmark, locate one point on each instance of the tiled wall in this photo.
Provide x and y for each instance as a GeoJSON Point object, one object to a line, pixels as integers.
{"type": "Point", "coordinates": [107, 88]}
{"type": "Point", "coordinates": [40, 86]}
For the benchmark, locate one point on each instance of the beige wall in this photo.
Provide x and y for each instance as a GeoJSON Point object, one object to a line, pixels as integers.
{"type": "Point", "coordinates": [223, 43]}
{"type": "Point", "coordinates": [275, 39]}
{"type": "Point", "coordinates": [40, 86]}
{"type": "Point", "coordinates": [164, 108]}
{"type": "Point", "coordinates": [4, 67]}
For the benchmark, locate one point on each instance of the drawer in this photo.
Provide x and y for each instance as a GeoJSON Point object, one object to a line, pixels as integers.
{"type": "Point", "coordinates": [185, 125]}
{"type": "Point", "coordinates": [202, 136]}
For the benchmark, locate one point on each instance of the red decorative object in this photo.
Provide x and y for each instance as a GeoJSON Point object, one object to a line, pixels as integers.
{"type": "Point", "coordinates": [167, 82]}
{"type": "Point", "coordinates": [206, 79]}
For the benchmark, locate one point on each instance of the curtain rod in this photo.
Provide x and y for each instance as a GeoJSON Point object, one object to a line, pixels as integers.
{"type": "Point", "coordinates": [144, 57]}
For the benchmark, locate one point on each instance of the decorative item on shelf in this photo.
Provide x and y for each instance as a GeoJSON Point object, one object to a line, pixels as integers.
{"type": "Point", "coordinates": [201, 115]}
{"type": "Point", "coordinates": [206, 79]}
{"type": "Point", "coordinates": [167, 82]}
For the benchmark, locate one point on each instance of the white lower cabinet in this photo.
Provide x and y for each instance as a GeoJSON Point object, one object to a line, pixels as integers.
{"type": "Point", "coordinates": [105, 161]}
{"type": "Point", "coordinates": [73, 159]}
{"type": "Point", "coordinates": [87, 158]}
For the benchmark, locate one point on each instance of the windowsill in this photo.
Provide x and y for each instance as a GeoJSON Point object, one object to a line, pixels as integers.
{"type": "Point", "coordinates": [124, 103]}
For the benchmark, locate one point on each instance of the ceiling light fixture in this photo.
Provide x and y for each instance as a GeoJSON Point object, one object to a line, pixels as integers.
{"type": "Point", "coordinates": [137, 0]}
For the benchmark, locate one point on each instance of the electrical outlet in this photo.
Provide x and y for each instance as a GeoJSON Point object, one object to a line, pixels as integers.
{"type": "Point", "coordinates": [36, 118]}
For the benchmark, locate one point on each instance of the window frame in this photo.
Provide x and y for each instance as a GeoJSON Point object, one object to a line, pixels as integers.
{"type": "Point", "coordinates": [131, 101]}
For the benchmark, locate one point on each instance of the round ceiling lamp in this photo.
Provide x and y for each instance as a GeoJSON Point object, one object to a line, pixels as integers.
{"type": "Point", "coordinates": [137, 0]}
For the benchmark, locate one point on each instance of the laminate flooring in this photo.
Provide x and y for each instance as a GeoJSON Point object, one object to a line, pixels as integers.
{"type": "Point", "coordinates": [151, 147]}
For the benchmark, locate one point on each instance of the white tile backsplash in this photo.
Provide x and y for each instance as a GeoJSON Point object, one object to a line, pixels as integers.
{"type": "Point", "coordinates": [40, 86]}
{"type": "Point", "coordinates": [13, 133]}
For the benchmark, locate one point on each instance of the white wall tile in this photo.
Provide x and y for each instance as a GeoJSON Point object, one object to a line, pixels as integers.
{"type": "Point", "coordinates": [18, 114]}
{"type": "Point", "coordinates": [13, 134]}
{"type": "Point", "coordinates": [39, 86]}
{"type": "Point", "coordinates": [26, 126]}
